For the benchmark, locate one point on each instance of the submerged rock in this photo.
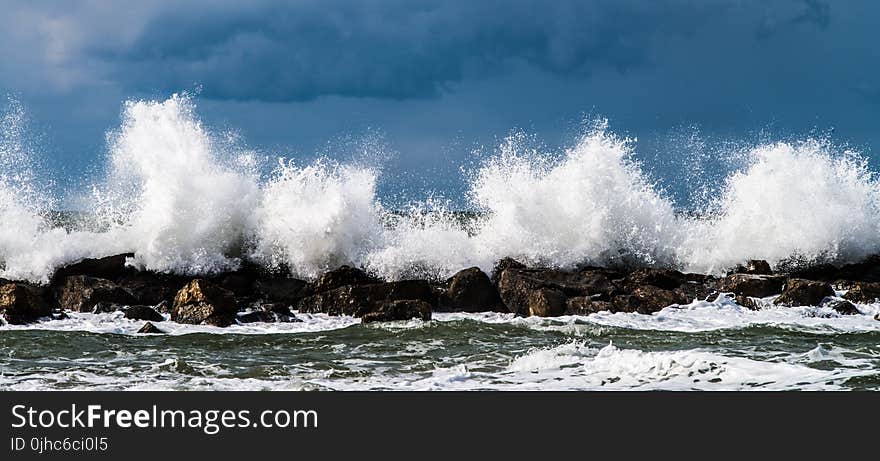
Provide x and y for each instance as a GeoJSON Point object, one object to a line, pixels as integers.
{"type": "Point", "coordinates": [755, 286]}
{"type": "Point", "coordinates": [149, 328]}
{"type": "Point", "coordinates": [143, 313]}
{"type": "Point", "coordinates": [21, 303]}
{"type": "Point", "coordinates": [801, 292]}
{"type": "Point", "coordinates": [269, 313]}
{"type": "Point", "coordinates": [403, 309]}
{"type": "Point", "coordinates": [359, 300]}
{"type": "Point", "coordinates": [471, 290]}
{"type": "Point", "coordinates": [747, 302]}
{"type": "Point", "coordinates": [80, 293]}
{"type": "Point", "coordinates": [843, 307]}
{"type": "Point", "coordinates": [201, 302]}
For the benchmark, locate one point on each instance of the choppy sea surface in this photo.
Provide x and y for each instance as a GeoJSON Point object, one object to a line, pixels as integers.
{"type": "Point", "coordinates": [701, 346]}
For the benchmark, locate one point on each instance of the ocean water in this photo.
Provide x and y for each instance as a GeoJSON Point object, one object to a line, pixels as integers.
{"type": "Point", "coordinates": [700, 346]}
{"type": "Point", "coordinates": [189, 201]}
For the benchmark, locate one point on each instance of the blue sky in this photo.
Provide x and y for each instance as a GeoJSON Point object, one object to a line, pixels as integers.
{"type": "Point", "coordinates": [434, 80]}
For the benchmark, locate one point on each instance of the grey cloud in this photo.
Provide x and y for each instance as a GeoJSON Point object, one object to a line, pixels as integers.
{"type": "Point", "coordinates": [393, 49]}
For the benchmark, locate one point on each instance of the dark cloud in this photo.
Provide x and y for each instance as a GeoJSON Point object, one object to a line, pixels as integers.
{"type": "Point", "coordinates": [392, 49]}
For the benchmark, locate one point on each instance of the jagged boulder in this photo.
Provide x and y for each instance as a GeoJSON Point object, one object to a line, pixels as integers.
{"type": "Point", "coordinates": [516, 284]}
{"type": "Point", "coordinates": [109, 267]}
{"type": "Point", "coordinates": [667, 279]}
{"type": "Point", "coordinates": [149, 328]}
{"type": "Point", "coordinates": [151, 288]}
{"type": "Point", "coordinates": [21, 303]}
{"type": "Point", "coordinates": [143, 313]}
{"type": "Point", "coordinates": [801, 292]}
{"type": "Point", "coordinates": [754, 267]}
{"type": "Point", "coordinates": [359, 300]}
{"type": "Point", "coordinates": [471, 290]}
{"type": "Point", "coordinates": [863, 292]}
{"type": "Point", "coordinates": [546, 302]}
{"type": "Point", "coordinates": [755, 286]}
{"type": "Point", "coordinates": [344, 275]}
{"type": "Point", "coordinates": [843, 307]}
{"type": "Point", "coordinates": [502, 265]}
{"type": "Point", "coordinates": [80, 293]}
{"type": "Point", "coordinates": [647, 299]}
{"type": "Point", "coordinates": [201, 302]}
{"type": "Point", "coordinates": [585, 305]}
{"type": "Point", "coordinates": [403, 309]}
{"type": "Point", "coordinates": [280, 290]}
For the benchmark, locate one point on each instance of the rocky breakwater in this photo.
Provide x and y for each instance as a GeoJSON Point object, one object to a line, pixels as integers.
{"type": "Point", "coordinates": [251, 294]}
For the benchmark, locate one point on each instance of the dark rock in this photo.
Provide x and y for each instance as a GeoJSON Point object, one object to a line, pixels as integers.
{"type": "Point", "coordinates": [867, 270]}
{"type": "Point", "coordinates": [143, 313]}
{"type": "Point", "coordinates": [257, 316]}
{"type": "Point", "coordinates": [240, 283]}
{"type": "Point", "coordinates": [403, 309]}
{"type": "Point", "coordinates": [546, 302]}
{"type": "Point", "coordinates": [822, 271]}
{"type": "Point", "coordinates": [110, 267]}
{"type": "Point", "coordinates": [501, 265]}
{"type": "Point", "coordinates": [201, 302]}
{"type": "Point", "coordinates": [471, 290]}
{"type": "Point", "coordinates": [755, 286]}
{"type": "Point", "coordinates": [151, 288]}
{"type": "Point", "coordinates": [344, 275]}
{"type": "Point", "coordinates": [754, 267]}
{"type": "Point", "coordinates": [272, 312]}
{"type": "Point", "coordinates": [801, 292]}
{"type": "Point", "coordinates": [585, 305]}
{"type": "Point", "coordinates": [280, 290]}
{"type": "Point", "coordinates": [80, 293]}
{"type": "Point", "coordinates": [697, 290]}
{"type": "Point", "coordinates": [21, 303]}
{"type": "Point", "coordinates": [646, 299]}
{"type": "Point", "coordinates": [163, 307]}
{"type": "Point", "coordinates": [843, 307]}
{"type": "Point", "coordinates": [149, 328]}
{"type": "Point", "coordinates": [863, 292]}
{"type": "Point", "coordinates": [60, 315]}
{"type": "Point", "coordinates": [666, 279]}
{"type": "Point", "coordinates": [359, 300]}
{"type": "Point", "coordinates": [514, 286]}
{"type": "Point", "coordinates": [747, 302]}
{"type": "Point", "coordinates": [104, 307]}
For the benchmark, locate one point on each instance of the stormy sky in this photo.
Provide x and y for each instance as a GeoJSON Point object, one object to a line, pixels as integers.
{"type": "Point", "coordinates": [431, 81]}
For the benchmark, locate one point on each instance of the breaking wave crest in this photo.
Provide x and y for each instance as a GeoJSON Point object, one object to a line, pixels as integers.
{"type": "Point", "coordinates": [186, 200]}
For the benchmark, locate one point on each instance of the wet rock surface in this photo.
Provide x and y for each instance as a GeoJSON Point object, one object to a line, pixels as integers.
{"type": "Point", "coordinates": [802, 292]}
{"type": "Point", "coordinates": [106, 285]}
{"type": "Point", "coordinates": [201, 302]}
{"type": "Point", "coordinates": [80, 293]}
{"type": "Point", "coordinates": [21, 303]}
